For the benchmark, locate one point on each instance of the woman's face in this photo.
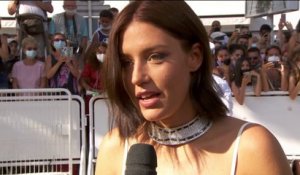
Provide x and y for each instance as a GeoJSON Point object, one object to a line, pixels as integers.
{"type": "Point", "coordinates": [245, 65]}
{"type": "Point", "coordinates": [223, 55]}
{"type": "Point", "coordinates": [157, 73]}
{"type": "Point", "coordinates": [237, 54]}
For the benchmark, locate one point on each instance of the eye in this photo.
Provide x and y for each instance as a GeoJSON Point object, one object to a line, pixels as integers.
{"type": "Point", "coordinates": [126, 62]}
{"type": "Point", "coordinates": [157, 57]}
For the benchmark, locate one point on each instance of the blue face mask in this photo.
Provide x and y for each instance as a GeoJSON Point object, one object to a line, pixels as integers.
{"type": "Point", "coordinates": [59, 44]}
{"type": "Point", "coordinates": [31, 54]}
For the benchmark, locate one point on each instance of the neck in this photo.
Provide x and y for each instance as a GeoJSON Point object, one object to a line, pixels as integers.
{"type": "Point", "coordinates": [29, 61]}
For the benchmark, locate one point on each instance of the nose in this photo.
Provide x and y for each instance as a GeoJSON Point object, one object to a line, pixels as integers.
{"type": "Point", "coordinates": [139, 73]}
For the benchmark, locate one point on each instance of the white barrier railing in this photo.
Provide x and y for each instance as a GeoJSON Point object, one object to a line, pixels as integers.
{"type": "Point", "coordinates": [277, 112]}
{"type": "Point", "coordinates": [41, 129]}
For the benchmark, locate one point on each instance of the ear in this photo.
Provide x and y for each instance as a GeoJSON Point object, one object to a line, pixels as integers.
{"type": "Point", "coordinates": [195, 57]}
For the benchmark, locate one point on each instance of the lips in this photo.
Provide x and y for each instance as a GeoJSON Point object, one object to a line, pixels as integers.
{"type": "Point", "coordinates": [148, 99]}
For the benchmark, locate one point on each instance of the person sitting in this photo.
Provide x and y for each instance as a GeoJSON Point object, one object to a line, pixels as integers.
{"type": "Point", "coordinates": [61, 66]}
{"type": "Point", "coordinates": [29, 73]}
{"type": "Point", "coordinates": [160, 91]}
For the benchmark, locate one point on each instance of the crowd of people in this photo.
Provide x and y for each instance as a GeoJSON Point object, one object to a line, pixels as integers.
{"type": "Point", "coordinates": [71, 60]}
{"type": "Point", "coordinates": [258, 63]}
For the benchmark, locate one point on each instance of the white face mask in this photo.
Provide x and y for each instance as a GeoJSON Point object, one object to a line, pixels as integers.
{"type": "Point", "coordinates": [70, 12]}
{"type": "Point", "coordinates": [100, 57]}
{"type": "Point", "coordinates": [31, 54]}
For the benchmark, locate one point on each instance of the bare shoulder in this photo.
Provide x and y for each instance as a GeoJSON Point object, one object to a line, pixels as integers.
{"type": "Point", "coordinates": [260, 153]}
{"type": "Point", "coordinates": [110, 155]}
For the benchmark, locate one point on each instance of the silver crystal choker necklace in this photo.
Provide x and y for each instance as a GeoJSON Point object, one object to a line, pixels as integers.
{"type": "Point", "coordinates": [182, 134]}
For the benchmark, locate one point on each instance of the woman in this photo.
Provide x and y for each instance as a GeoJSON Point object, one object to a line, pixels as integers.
{"type": "Point", "coordinates": [245, 80]}
{"type": "Point", "coordinates": [294, 77]}
{"type": "Point", "coordinates": [91, 76]}
{"type": "Point", "coordinates": [62, 67]}
{"type": "Point", "coordinates": [29, 73]}
{"type": "Point", "coordinates": [277, 73]}
{"type": "Point", "coordinates": [158, 75]}
{"type": "Point", "coordinates": [222, 59]}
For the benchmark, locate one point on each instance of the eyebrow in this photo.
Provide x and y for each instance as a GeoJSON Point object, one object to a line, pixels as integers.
{"type": "Point", "coordinates": [147, 50]}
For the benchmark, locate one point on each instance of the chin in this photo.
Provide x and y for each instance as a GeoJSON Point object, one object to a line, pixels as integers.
{"type": "Point", "coordinates": [152, 115]}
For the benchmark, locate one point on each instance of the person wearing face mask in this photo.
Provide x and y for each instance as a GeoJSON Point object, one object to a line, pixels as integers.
{"type": "Point", "coordinates": [39, 8]}
{"type": "Point", "coordinates": [91, 77]}
{"type": "Point", "coordinates": [106, 18]}
{"type": "Point", "coordinates": [29, 73]}
{"type": "Point", "coordinates": [277, 70]}
{"type": "Point", "coordinates": [62, 69]}
{"type": "Point", "coordinates": [72, 25]}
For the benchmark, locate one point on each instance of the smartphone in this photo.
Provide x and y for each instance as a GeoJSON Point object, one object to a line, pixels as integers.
{"type": "Point", "coordinates": [67, 51]}
{"type": "Point", "coordinates": [283, 17]}
{"type": "Point", "coordinates": [247, 73]}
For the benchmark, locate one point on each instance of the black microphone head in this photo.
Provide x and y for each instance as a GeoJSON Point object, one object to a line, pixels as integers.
{"type": "Point", "coordinates": [141, 160]}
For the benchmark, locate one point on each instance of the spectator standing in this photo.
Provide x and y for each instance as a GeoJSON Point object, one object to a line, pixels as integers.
{"type": "Point", "coordinates": [295, 39]}
{"type": "Point", "coordinates": [294, 76]}
{"type": "Point", "coordinates": [91, 76]}
{"type": "Point", "coordinates": [105, 21]}
{"type": "Point", "coordinates": [257, 64]}
{"type": "Point", "coordinates": [39, 8]}
{"type": "Point", "coordinates": [29, 73]}
{"type": "Point", "coordinates": [277, 71]}
{"type": "Point", "coordinates": [73, 26]}
{"type": "Point", "coordinates": [61, 69]}
{"type": "Point", "coordinates": [3, 58]}
{"type": "Point", "coordinates": [245, 80]}
{"type": "Point", "coordinates": [265, 37]}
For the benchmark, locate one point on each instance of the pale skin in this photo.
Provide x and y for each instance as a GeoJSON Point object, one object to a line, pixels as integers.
{"type": "Point", "coordinates": [156, 66]}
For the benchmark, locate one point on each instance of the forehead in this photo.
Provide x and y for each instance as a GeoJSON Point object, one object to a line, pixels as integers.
{"type": "Point", "coordinates": [105, 19]}
{"type": "Point", "coordinates": [273, 50]}
{"type": "Point", "coordinates": [30, 45]}
{"type": "Point", "coordinates": [140, 36]}
{"type": "Point", "coordinates": [70, 4]}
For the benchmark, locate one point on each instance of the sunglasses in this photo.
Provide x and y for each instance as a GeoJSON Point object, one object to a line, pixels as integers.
{"type": "Point", "coordinates": [58, 39]}
{"type": "Point", "coordinates": [30, 48]}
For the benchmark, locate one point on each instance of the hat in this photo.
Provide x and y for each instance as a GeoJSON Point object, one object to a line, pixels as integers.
{"type": "Point", "coordinates": [219, 37]}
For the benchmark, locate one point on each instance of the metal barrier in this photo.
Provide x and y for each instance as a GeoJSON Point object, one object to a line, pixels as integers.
{"type": "Point", "coordinates": [42, 131]}
{"type": "Point", "coordinates": [277, 112]}
{"type": "Point", "coordinates": [98, 127]}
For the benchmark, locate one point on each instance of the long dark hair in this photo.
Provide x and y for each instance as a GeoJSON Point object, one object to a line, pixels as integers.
{"type": "Point", "coordinates": [177, 19]}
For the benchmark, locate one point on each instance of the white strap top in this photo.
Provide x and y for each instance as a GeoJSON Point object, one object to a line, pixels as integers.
{"type": "Point", "coordinates": [234, 155]}
{"type": "Point", "coordinates": [236, 148]}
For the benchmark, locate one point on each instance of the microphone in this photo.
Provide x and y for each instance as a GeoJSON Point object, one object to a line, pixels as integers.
{"type": "Point", "coordinates": [141, 160]}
